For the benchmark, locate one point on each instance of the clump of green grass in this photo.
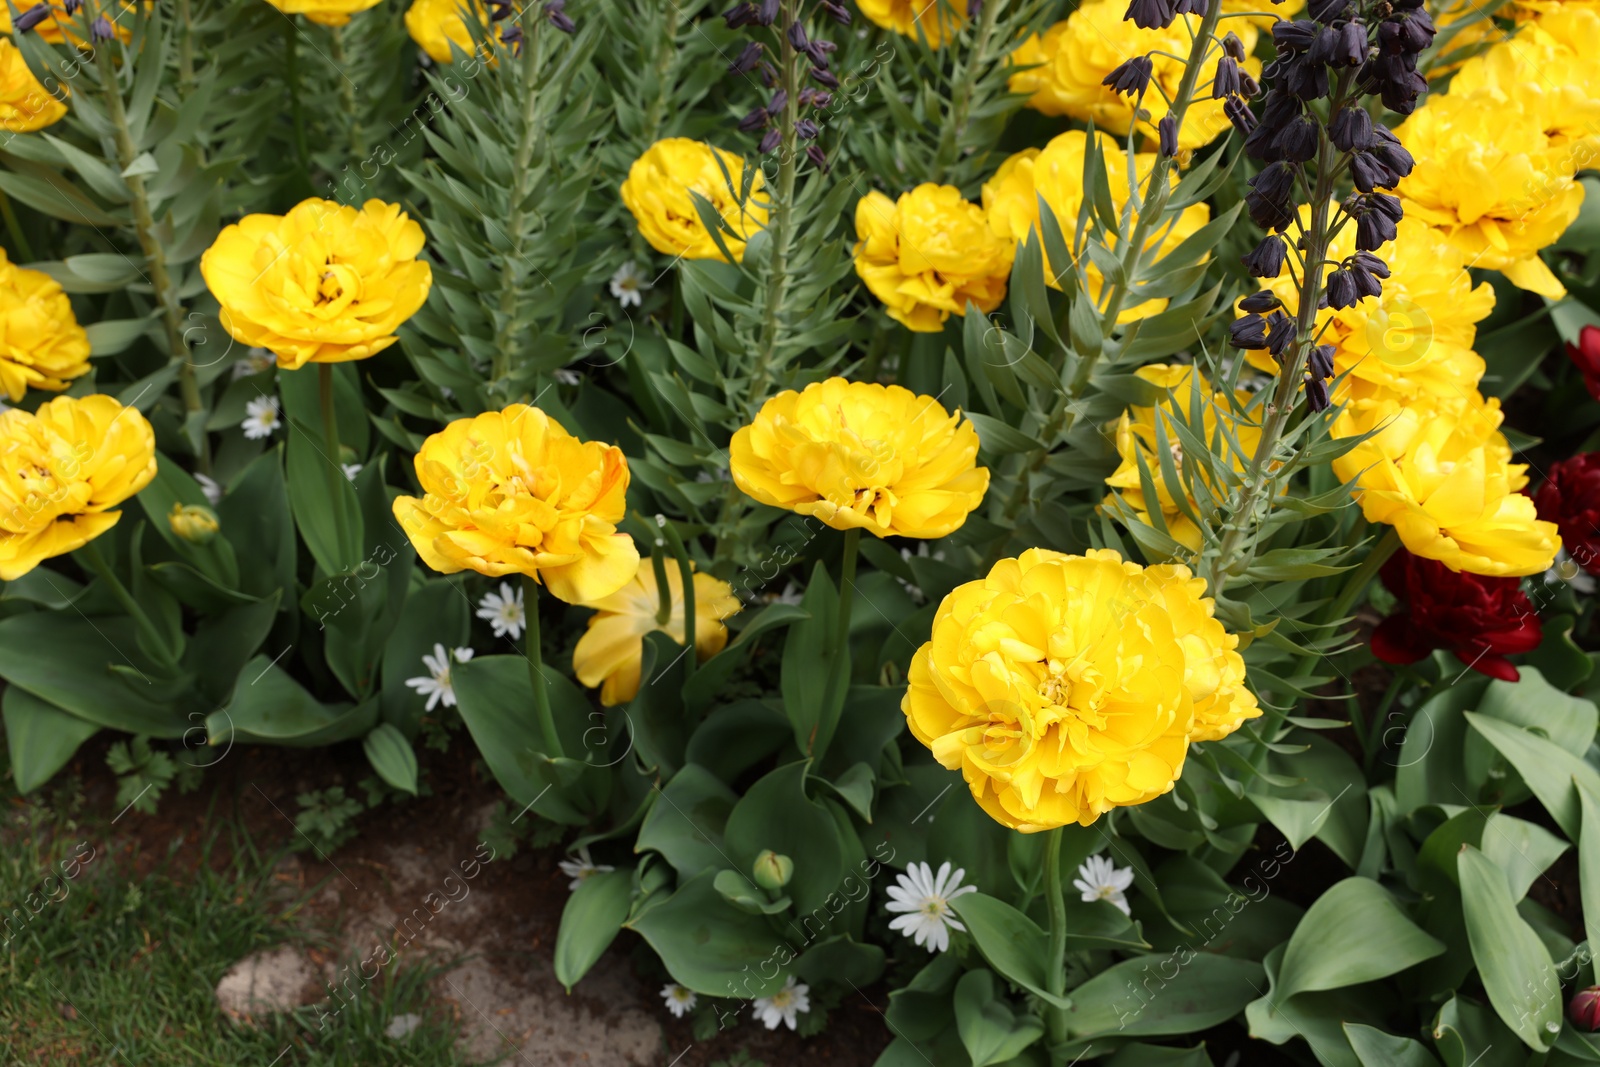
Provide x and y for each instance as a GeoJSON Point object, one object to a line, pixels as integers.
{"type": "Point", "coordinates": [98, 967]}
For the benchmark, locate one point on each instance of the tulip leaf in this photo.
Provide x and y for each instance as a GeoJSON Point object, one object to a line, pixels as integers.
{"type": "Point", "coordinates": [776, 814]}
{"type": "Point", "coordinates": [391, 756]}
{"type": "Point", "coordinates": [737, 889]}
{"type": "Point", "coordinates": [270, 707]}
{"type": "Point", "coordinates": [686, 821]}
{"type": "Point", "coordinates": [436, 613]}
{"type": "Point", "coordinates": [1513, 963]}
{"type": "Point", "coordinates": [1011, 942]}
{"type": "Point", "coordinates": [656, 716]}
{"type": "Point", "coordinates": [991, 1031]}
{"type": "Point", "coordinates": [1589, 868]}
{"type": "Point", "coordinates": [1377, 1049]}
{"type": "Point", "coordinates": [1178, 993]}
{"type": "Point", "coordinates": [841, 959]}
{"type": "Point", "coordinates": [1552, 772]}
{"type": "Point", "coordinates": [1354, 933]}
{"type": "Point", "coordinates": [314, 510]}
{"type": "Point", "coordinates": [816, 667]}
{"type": "Point", "coordinates": [67, 660]}
{"type": "Point", "coordinates": [40, 737]}
{"type": "Point", "coordinates": [590, 921]}
{"type": "Point", "coordinates": [710, 946]}
{"type": "Point", "coordinates": [703, 688]}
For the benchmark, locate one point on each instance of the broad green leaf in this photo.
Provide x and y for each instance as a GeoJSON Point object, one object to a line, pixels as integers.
{"type": "Point", "coordinates": [816, 667]}
{"type": "Point", "coordinates": [714, 672]}
{"type": "Point", "coordinates": [776, 814]}
{"type": "Point", "coordinates": [1553, 773]}
{"type": "Point", "coordinates": [740, 891]}
{"type": "Point", "coordinates": [1513, 964]}
{"type": "Point", "coordinates": [841, 959]}
{"type": "Point", "coordinates": [1011, 942]}
{"type": "Point", "coordinates": [69, 660]}
{"type": "Point", "coordinates": [1467, 1034]}
{"type": "Point", "coordinates": [40, 737]}
{"type": "Point", "coordinates": [390, 755]}
{"type": "Point", "coordinates": [1431, 750]}
{"type": "Point", "coordinates": [1354, 933]}
{"type": "Point", "coordinates": [710, 946]}
{"type": "Point", "coordinates": [1589, 869]}
{"type": "Point", "coordinates": [1377, 1049]}
{"type": "Point", "coordinates": [270, 707]}
{"type": "Point", "coordinates": [1141, 1055]}
{"type": "Point", "coordinates": [989, 1027]}
{"type": "Point", "coordinates": [1151, 996]}
{"type": "Point", "coordinates": [1521, 849]}
{"type": "Point", "coordinates": [686, 821]}
{"type": "Point", "coordinates": [590, 921]}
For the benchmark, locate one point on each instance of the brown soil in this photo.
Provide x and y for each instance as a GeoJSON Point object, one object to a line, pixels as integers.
{"type": "Point", "coordinates": [501, 933]}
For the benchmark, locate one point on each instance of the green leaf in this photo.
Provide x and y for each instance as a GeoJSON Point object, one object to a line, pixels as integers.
{"type": "Point", "coordinates": [494, 696]}
{"type": "Point", "coordinates": [40, 736]}
{"type": "Point", "coordinates": [776, 814]}
{"type": "Point", "coordinates": [991, 1031]}
{"type": "Point", "coordinates": [68, 661]}
{"type": "Point", "coordinates": [313, 509]}
{"type": "Point", "coordinates": [1378, 1049]}
{"type": "Point", "coordinates": [390, 755]}
{"type": "Point", "coordinates": [270, 707]}
{"type": "Point", "coordinates": [841, 959]}
{"type": "Point", "coordinates": [1521, 849]}
{"type": "Point", "coordinates": [686, 821]}
{"type": "Point", "coordinates": [1513, 964]}
{"type": "Point", "coordinates": [1354, 933]}
{"type": "Point", "coordinates": [1589, 869]}
{"type": "Point", "coordinates": [710, 946]}
{"type": "Point", "coordinates": [108, 338]}
{"type": "Point", "coordinates": [737, 889]}
{"type": "Point", "coordinates": [1552, 772]}
{"type": "Point", "coordinates": [590, 921]}
{"type": "Point", "coordinates": [1140, 998]}
{"type": "Point", "coordinates": [708, 681]}
{"type": "Point", "coordinates": [1011, 942]}
{"type": "Point", "coordinates": [816, 667]}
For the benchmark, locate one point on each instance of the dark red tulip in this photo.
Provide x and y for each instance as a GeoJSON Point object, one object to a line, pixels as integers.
{"type": "Point", "coordinates": [1586, 356]}
{"type": "Point", "coordinates": [1480, 619]}
{"type": "Point", "coordinates": [1570, 498]}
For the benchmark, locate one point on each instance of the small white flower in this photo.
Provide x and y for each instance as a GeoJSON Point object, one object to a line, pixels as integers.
{"type": "Point", "coordinates": [256, 361]}
{"type": "Point", "coordinates": [261, 417]}
{"type": "Point", "coordinates": [1566, 569]}
{"type": "Point", "coordinates": [925, 901]}
{"type": "Point", "coordinates": [1100, 879]}
{"type": "Point", "coordinates": [581, 868]}
{"type": "Point", "coordinates": [402, 1025]}
{"type": "Point", "coordinates": [680, 1001]}
{"type": "Point", "coordinates": [792, 594]}
{"type": "Point", "coordinates": [783, 1006]}
{"type": "Point", "coordinates": [504, 611]}
{"type": "Point", "coordinates": [566, 377]}
{"type": "Point", "coordinates": [628, 285]}
{"type": "Point", "coordinates": [350, 470]}
{"type": "Point", "coordinates": [210, 488]}
{"type": "Point", "coordinates": [436, 684]}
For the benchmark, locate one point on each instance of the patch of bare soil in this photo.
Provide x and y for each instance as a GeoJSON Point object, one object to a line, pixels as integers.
{"type": "Point", "coordinates": [417, 884]}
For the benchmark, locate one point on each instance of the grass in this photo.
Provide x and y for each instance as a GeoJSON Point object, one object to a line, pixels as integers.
{"type": "Point", "coordinates": [120, 970]}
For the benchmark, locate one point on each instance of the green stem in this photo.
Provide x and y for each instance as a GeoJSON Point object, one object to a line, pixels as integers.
{"type": "Point", "coordinates": [97, 563]}
{"type": "Point", "coordinates": [185, 49]}
{"type": "Point", "coordinates": [347, 95]}
{"type": "Point", "coordinates": [166, 292]}
{"type": "Point", "coordinates": [1357, 582]}
{"type": "Point", "coordinates": [335, 465]}
{"type": "Point", "coordinates": [1055, 1018]}
{"type": "Point", "coordinates": [955, 126]}
{"type": "Point", "coordinates": [1151, 209]}
{"type": "Point", "coordinates": [781, 222]}
{"type": "Point", "coordinates": [658, 566]}
{"type": "Point", "coordinates": [847, 582]}
{"type": "Point", "coordinates": [1242, 519]}
{"type": "Point", "coordinates": [541, 694]}
{"type": "Point", "coordinates": [527, 140]}
{"type": "Point", "coordinates": [14, 227]}
{"type": "Point", "coordinates": [668, 43]}
{"type": "Point", "coordinates": [686, 576]}
{"type": "Point", "coordinates": [291, 78]}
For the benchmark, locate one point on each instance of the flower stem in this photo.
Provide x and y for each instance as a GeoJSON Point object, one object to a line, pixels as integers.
{"type": "Point", "coordinates": [781, 222]}
{"type": "Point", "coordinates": [97, 563]}
{"type": "Point", "coordinates": [505, 336]}
{"type": "Point", "coordinates": [347, 95]}
{"type": "Point", "coordinates": [955, 126]}
{"type": "Point", "coordinates": [1357, 582]}
{"type": "Point", "coordinates": [185, 50]}
{"type": "Point", "coordinates": [658, 565]}
{"type": "Point", "coordinates": [1151, 209]}
{"type": "Point", "coordinates": [14, 227]}
{"type": "Point", "coordinates": [1242, 519]}
{"type": "Point", "coordinates": [541, 692]}
{"type": "Point", "coordinates": [686, 575]}
{"type": "Point", "coordinates": [1055, 1017]}
{"type": "Point", "coordinates": [166, 292]}
{"type": "Point", "coordinates": [847, 583]}
{"type": "Point", "coordinates": [330, 438]}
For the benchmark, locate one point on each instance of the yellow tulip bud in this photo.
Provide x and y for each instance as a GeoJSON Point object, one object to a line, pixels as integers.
{"type": "Point", "coordinates": [195, 524]}
{"type": "Point", "coordinates": [772, 871]}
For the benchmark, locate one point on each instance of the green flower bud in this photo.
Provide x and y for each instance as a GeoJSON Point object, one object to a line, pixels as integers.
{"type": "Point", "coordinates": [194, 523]}
{"type": "Point", "coordinates": [773, 871]}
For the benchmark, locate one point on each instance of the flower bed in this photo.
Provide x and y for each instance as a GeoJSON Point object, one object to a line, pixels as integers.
{"type": "Point", "coordinates": [955, 496]}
